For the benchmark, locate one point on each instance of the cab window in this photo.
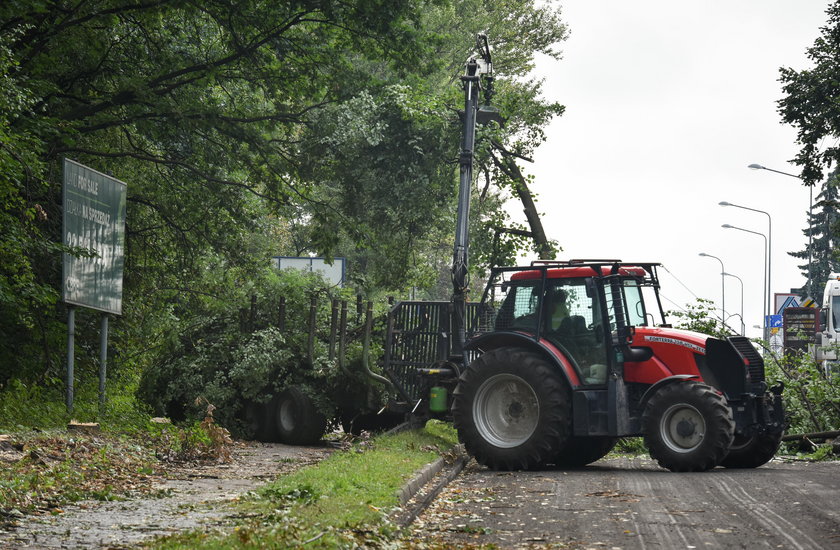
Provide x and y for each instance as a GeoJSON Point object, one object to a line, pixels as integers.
{"type": "Point", "coordinates": [635, 304]}
{"type": "Point", "coordinates": [519, 309]}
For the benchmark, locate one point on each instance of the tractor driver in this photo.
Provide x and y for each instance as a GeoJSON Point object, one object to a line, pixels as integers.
{"type": "Point", "coordinates": [574, 337]}
{"type": "Point", "coordinates": [557, 307]}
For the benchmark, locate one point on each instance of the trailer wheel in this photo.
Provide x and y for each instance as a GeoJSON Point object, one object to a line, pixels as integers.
{"type": "Point", "coordinates": [752, 452]}
{"type": "Point", "coordinates": [259, 420]}
{"type": "Point", "coordinates": [580, 451]}
{"type": "Point", "coordinates": [512, 410]}
{"type": "Point", "coordinates": [298, 421]}
{"type": "Point", "coordinates": [688, 427]}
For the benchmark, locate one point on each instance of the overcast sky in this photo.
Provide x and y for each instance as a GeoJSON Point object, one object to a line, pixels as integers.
{"type": "Point", "coordinates": [667, 102]}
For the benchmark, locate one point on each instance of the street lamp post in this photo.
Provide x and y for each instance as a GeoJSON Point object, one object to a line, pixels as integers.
{"type": "Point", "coordinates": [766, 296]}
{"type": "Point", "coordinates": [810, 216]}
{"type": "Point", "coordinates": [722, 291]}
{"type": "Point", "coordinates": [743, 326]}
{"type": "Point", "coordinates": [768, 255]}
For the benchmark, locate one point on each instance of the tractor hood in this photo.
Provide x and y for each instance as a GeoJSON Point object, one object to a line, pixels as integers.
{"type": "Point", "coordinates": [673, 352]}
{"type": "Point", "coordinates": [661, 338]}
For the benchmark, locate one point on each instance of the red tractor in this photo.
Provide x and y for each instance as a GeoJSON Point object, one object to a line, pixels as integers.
{"type": "Point", "coordinates": [569, 356]}
{"type": "Point", "coordinates": [562, 358]}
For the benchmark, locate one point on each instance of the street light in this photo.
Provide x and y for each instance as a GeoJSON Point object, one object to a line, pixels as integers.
{"type": "Point", "coordinates": [743, 327]}
{"type": "Point", "coordinates": [810, 214]}
{"type": "Point", "coordinates": [768, 255]}
{"type": "Point", "coordinates": [722, 291]}
{"type": "Point", "coordinates": [766, 295]}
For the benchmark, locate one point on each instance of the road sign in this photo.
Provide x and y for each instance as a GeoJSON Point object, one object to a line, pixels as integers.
{"type": "Point", "coordinates": [784, 301]}
{"type": "Point", "coordinates": [94, 219]}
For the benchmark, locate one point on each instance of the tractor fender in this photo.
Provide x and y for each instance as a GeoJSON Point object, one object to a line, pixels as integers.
{"type": "Point", "coordinates": [664, 382]}
{"type": "Point", "coordinates": [556, 357]}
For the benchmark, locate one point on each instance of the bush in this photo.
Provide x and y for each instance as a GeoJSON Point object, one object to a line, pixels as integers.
{"type": "Point", "coordinates": [812, 400]}
{"type": "Point", "coordinates": [232, 355]}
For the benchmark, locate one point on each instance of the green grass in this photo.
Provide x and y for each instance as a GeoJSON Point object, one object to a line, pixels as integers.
{"type": "Point", "coordinates": [24, 407]}
{"type": "Point", "coordinates": [343, 499]}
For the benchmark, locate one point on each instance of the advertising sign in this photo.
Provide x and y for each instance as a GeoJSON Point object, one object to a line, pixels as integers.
{"type": "Point", "coordinates": [801, 326]}
{"type": "Point", "coordinates": [94, 219]}
{"type": "Point", "coordinates": [333, 273]}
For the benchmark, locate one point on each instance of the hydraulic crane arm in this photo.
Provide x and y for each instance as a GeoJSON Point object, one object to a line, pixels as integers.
{"type": "Point", "coordinates": [476, 67]}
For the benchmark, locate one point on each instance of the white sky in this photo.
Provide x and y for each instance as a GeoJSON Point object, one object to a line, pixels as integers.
{"type": "Point", "coordinates": [667, 102]}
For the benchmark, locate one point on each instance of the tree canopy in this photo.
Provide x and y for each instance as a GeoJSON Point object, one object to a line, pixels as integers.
{"type": "Point", "coordinates": [812, 104]}
{"type": "Point", "coordinates": [812, 101]}
{"type": "Point", "coordinates": [821, 253]}
{"type": "Point", "coordinates": [247, 129]}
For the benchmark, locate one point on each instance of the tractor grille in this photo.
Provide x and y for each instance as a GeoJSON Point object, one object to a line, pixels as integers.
{"type": "Point", "coordinates": [755, 364]}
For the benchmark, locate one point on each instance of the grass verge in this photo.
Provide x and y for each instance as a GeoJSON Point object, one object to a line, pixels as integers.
{"type": "Point", "coordinates": [340, 502]}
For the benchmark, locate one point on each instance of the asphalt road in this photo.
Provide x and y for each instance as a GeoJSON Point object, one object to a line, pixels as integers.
{"type": "Point", "coordinates": [634, 504]}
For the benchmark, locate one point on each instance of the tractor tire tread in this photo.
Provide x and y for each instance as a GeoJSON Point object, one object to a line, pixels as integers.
{"type": "Point", "coordinates": [718, 435]}
{"type": "Point", "coordinates": [554, 397]}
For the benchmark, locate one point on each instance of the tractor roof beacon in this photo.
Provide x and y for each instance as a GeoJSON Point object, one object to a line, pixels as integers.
{"type": "Point", "coordinates": [561, 358]}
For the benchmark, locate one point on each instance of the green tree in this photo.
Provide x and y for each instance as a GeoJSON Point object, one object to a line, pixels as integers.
{"type": "Point", "coordinates": [24, 290]}
{"type": "Point", "coordinates": [519, 31]}
{"type": "Point", "coordinates": [812, 101]}
{"type": "Point", "coordinates": [701, 317]}
{"type": "Point", "coordinates": [244, 130]}
{"type": "Point", "coordinates": [824, 229]}
{"type": "Point", "coordinates": [390, 213]}
{"type": "Point", "coordinates": [198, 106]}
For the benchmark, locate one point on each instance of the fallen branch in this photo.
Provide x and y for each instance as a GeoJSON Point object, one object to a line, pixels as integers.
{"type": "Point", "coordinates": [816, 435]}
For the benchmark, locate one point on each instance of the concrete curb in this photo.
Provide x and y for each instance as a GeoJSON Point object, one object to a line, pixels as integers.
{"type": "Point", "coordinates": [422, 478]}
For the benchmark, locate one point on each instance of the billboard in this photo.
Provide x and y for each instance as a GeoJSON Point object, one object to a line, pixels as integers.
{"type": "Point", "coordinates": [94, 219]}
{"type": "Point", "coordinates": [801, 325]}
{"type": "Point", "coordinates": [333, 273]}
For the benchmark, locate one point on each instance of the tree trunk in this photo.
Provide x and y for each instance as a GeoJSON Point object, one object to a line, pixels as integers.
{"type": "Point", "coordinates": [507, 164]}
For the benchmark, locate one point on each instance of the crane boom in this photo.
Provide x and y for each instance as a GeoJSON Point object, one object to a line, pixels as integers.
{"type": "Point", "coordinates": [475, 68]}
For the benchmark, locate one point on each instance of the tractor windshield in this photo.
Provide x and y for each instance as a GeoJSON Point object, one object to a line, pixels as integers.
{"type": "Point", "coordinates": [632, 305]}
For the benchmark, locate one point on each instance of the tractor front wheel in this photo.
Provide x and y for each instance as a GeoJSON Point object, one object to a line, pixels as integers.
{"type": "Point", "coordinates": [512, 409]}
{"type": "Point", "coordinates": [688, 427]}
{"type": "Point", "coordinates": [752, 452]}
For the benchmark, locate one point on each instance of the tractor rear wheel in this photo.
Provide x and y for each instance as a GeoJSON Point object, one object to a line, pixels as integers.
{"type": "Point", "coordinates": [752, 452]}
{"type": "Point", "coordinates": [688, 427]}
{"type": "Point", "coordinates": [298, 421]}
{"type": "Point", "coordinates": [580, 451]}
{"type": "Point", "coordinates": [512, 409]}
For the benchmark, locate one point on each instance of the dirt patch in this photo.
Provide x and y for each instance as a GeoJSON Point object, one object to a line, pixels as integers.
{"type": "Point", "coordinates": [188, 497]}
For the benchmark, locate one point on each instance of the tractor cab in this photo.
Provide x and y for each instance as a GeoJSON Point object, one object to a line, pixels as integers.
{"type": "Point", "coordinates": [575, 309]}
